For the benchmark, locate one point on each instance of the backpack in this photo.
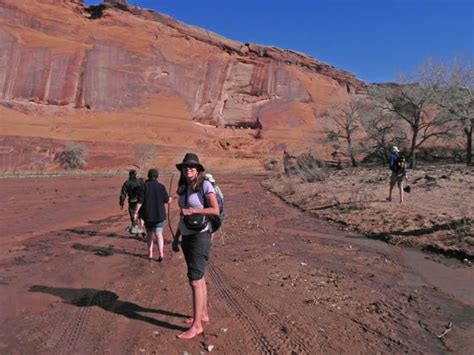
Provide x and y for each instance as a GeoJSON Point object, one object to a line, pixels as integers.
{"type": "Point", "coordinates": [399, 167]}
{"type": "Point", "coordinates": [133, 189]}
{"type": "Point", "coordinates": [392, 161]}
{"type": "Point", "coordinates": [216, 221]}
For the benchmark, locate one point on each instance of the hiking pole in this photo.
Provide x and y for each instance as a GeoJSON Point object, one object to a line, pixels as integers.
{"type": "Point", "coordinates": [169, 216]}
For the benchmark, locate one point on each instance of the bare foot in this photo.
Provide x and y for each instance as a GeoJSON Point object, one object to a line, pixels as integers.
{"type": "Point", "coordinates": [191, 320]}
{"type": "Point", "coordinates": [190, 333]}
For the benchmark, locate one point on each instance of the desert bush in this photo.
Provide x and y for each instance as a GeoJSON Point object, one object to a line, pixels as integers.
{"type": "Point", "coordinates": [441, 154]}
{"type": "Point", "coordinates": [461, 227]}
{"type": "Point", "coordinates": [271, 164]}
{"type": "Point", "coordinates": [306, 166]}
{"type": "Point", "coordinates": [74, 156]}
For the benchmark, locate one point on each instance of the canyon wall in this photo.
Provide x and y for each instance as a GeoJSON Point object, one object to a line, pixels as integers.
{"type": "Point", "coordinates": [116, 58]}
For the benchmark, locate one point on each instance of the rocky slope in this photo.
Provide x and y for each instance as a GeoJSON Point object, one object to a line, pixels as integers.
{"type": "Point", "coordinates": [98, 61]}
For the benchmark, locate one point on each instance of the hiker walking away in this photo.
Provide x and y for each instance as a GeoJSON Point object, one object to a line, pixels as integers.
{"type": "Point", "coordinates": [398, 176]}
{"type": "Point", "coordinates": [131, 188]}
{"type": "Point", "coordinates": [194, 193]}
{"type": "Point", "coordinates": [151, 207]}
{"type": "Point", "coordinates": [394, 155]}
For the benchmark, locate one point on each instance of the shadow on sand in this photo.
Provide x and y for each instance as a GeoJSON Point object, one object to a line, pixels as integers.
{"type": "Point", "coordinates": [106, 251]}
{"type": "Point", "coordinates": [109, 251]}
{"type": "Point", "coordinates": [94, 233]}
{"type": "Point", "coordinates": [108, 301]}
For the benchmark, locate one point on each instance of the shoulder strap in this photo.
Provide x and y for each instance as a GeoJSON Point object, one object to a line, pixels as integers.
{"type": "Point", "coordinates": [186, 197]}
{"type": "Point", "coordinates": [204, 199]}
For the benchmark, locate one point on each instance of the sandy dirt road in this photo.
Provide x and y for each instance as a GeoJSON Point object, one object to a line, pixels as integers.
{"type": "Point", "coordinates": [280, 281]}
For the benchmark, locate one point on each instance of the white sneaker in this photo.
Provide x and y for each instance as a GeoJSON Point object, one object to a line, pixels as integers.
{"type": "Point", "coordinates": [134, 230]}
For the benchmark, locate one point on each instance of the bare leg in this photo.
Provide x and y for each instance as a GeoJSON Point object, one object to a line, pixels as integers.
{"type": "Point", "coordinates": [205, 312]}
{"type": "Point", "coordinates": [149, 241]}
{"type": "Point", "coordinates": [142, 226]}
{"type": "Point", "coordinates": [389, 198]}
{"type": "Point", "coordinates": [400, 187]}
{"type": "Point", "coordinates": [198, 305]}
{"type": "Point", "coordinates": [160, 244]}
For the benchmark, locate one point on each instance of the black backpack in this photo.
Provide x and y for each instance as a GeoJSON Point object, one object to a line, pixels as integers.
{"type": "Point", "coordinates": [133, 189]}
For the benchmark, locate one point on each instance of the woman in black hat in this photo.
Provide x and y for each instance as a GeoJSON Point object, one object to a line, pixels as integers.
{"type": "Point", "coordinates": [197, 200]}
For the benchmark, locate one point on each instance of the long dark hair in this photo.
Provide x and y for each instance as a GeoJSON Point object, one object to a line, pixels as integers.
{"type": "Point", "coordinates": [196, 185]}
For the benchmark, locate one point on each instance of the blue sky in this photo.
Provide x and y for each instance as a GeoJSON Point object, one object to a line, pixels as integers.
{"type": "Point", "coordinates": [374, 39]}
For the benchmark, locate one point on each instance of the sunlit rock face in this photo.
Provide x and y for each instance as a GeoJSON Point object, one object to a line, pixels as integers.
{"type": "Point", "coordinates": [117, 58]}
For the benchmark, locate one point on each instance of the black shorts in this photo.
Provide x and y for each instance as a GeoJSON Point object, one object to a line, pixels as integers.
{"type": "Point", "coordinates": [196, 248]}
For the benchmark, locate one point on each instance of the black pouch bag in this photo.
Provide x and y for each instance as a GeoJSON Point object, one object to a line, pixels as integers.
{"type": "Point", "coordinates": [195, 222]}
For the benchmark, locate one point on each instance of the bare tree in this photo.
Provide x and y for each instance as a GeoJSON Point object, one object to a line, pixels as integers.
{"type": "Point", "coordinates": [383, 130]}
{"type": "Point", "coordinates": [74, 156]}
{"type": "Point", "coordinates": [413, 103]}
{"type": "Point", "coordinates": [453, 85]}
{"type": "Point", "coordinates": [144, 154]}
{"type": "Point", "coordinates": [345, 114]}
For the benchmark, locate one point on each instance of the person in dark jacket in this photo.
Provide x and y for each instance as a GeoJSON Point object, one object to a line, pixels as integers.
{"type": "Point", "coordinates": [151, 205]}
{"type": "Point", "coordinates": [131, 189]}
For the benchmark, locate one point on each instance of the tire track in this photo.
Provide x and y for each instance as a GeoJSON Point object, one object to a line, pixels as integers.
{"type": "Point", "coordinates": [66, 326]}
{"type": "Point", "coordinates": [72, 332]}
{"type": "Point", "coordinates": [75, 329]}
{"type": "Point", "coordinates": [292, 340]}
{"type": "Point", "coordinates": [248, 323]}
{"type": "Point", "coordinates": [66, 334]}
{"type": "Point", "coordinates": [284, 337]}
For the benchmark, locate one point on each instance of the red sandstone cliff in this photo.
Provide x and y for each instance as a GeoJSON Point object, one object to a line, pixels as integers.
{"type": "Point", "coordinates": [63, 57]}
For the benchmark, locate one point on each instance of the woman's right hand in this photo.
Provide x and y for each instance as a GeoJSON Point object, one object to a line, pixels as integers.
{"type": "Point", "coordinates": [187, 211]}
{"type": "Point", "coordinates": [175, 246]}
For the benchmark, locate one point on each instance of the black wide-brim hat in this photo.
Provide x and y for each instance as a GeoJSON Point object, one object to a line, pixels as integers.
{"type": "Point", "coordinates": [190, 159]}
